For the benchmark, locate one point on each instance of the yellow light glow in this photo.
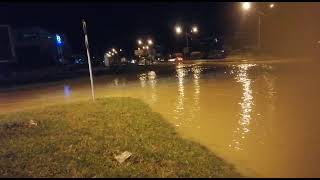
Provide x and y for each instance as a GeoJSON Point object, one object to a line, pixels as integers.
{"type": "Point", "coordinates": [246, 6]}
{"type": "Point", "coordinates": [178, 30]}
{"type": "Point", "coordinates": [194, 29]}
{"type": "Point", "coordinates": [271, 5]}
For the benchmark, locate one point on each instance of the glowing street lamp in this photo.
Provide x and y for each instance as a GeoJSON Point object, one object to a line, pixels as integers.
{"type": "Point", "coordinates": [150, 42]}
{"type": "Point", "coordinates": [246, 6]}
{"type": "Point", "coordinates": [194, 29]}
{"type": "Point", "coordinates": [139, 42]}
{"type": "Point", "coordinates": [271, 5]}
{"type": "Point", "coordinates": [178, 30]}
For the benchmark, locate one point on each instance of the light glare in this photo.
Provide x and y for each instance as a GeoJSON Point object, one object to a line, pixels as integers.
{"type": "Point", "coordinates": [246, 5]}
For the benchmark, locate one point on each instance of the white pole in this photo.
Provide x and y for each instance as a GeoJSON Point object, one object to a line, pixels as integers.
{"type": "Point", "coordinates": [88, 55]}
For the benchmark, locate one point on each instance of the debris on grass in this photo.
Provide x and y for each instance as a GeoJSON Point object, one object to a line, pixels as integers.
{"type": "Point", "coordinates": [32, 123]}
{"type": "Point", "coordinates": [123, 157]}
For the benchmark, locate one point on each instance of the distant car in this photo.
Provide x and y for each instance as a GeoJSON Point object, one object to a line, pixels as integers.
{"type": "Point", "coordinates": [175, 57]}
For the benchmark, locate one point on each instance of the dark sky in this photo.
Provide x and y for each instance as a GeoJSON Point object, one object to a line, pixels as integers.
{"type": "Point", "coordinates": [119, 24]}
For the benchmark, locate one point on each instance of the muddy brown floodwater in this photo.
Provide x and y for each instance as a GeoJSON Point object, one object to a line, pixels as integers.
{"type": "Point", "coordinates": [261, 117]}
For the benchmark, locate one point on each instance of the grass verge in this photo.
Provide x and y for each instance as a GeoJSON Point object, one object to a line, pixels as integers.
{"type": "Point", "coordinates": [81, 139]}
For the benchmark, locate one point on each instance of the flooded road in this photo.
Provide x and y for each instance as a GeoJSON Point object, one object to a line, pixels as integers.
{"type": "Point", "coordinates": [261, 117]}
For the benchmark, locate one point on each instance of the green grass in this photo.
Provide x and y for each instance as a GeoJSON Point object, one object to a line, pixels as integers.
{"type": "Point", "coordinates": [81, 139]}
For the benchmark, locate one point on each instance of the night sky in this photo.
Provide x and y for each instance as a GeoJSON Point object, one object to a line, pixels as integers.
{"type": "Point", "coordinates": [120, 24]}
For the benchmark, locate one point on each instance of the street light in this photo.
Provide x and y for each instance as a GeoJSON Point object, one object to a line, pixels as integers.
{"type": "Point", "coordinates": [194, 29]}
{"type": "Point", "coordinates": [139, 42]}
{"type": "Point", "coordinates": [246, 6]}
{"type": "Point", "coordinates": [178, 30]}
{"type": "Point", "coordinates": [150, 42]}
{"type": "Point", "coordinates": [271, 5]}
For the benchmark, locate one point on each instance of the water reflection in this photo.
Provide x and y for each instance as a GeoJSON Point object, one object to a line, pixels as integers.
{"type": "Point", "coordinates": [116, 81]}
{"type": "Point", "coordinates": [196, 93]}
{"type": "Point", "coordinates": [246, 106]}
{"type": "Point", "coordinates": [149, 80]}
{"type": "Point", "coordinates": [153, 82]}
{"type": "Point", "coordinates": [143, 79]}
{"type": "Point", "coordinates": [181, 73]}
{"type": "Point", "coordinates": [269, 79]}
{"type": "Point", "coordinates": [67, 91]}
{"type": "Point", "coordinates": [187, 109]}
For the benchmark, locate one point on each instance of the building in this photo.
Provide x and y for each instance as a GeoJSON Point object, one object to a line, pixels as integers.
{"type": "Point", "coordinates": [36, 47]}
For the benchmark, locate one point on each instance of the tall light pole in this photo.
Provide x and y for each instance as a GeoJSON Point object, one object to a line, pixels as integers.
{"type": "Point", "coordinates": [246, 6]}
{"type": "Point", "coordinates": [88, 55]}
{"type": "Point", "coordinates": [146, 46]}
{"type": "Point", "coordinates": [194, 30]}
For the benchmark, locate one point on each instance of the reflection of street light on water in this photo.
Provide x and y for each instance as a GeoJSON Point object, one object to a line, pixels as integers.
{"type": "Point", "coordinates": [246, 105]}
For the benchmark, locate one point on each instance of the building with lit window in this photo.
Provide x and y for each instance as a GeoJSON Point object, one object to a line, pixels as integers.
{"type": "Point", "coordinates": [36, 47]}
